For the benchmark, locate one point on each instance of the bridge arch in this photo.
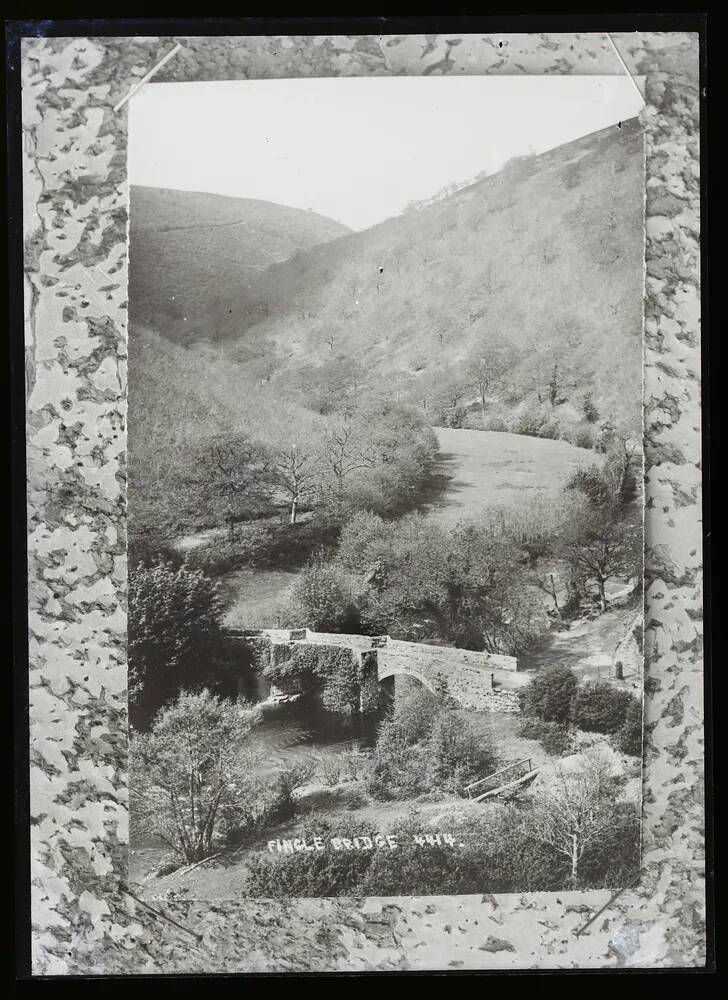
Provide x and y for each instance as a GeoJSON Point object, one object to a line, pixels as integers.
{"type": "Point", "coordinates": [385, 673]}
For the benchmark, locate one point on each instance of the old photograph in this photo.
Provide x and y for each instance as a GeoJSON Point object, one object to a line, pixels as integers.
{"type": "Point", "coordinates": [385, 499]}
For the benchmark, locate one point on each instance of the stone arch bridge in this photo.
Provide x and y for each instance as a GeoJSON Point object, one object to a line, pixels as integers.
{"type": "Point", "coordinates": [479, 681]}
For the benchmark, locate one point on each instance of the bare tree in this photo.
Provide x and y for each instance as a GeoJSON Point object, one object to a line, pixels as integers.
{"type": "Point", "coordinates": [296, 472]}
{"type": "Point", "coordinates": [575, 811]}
{"type": "Point", "coordinates": [548, 586]}
{"type": "Point", "coordinates": [488, 364]}
{"type": "Point", "coordinates": [346, 451]}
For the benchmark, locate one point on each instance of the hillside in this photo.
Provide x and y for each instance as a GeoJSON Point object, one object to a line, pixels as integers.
{"type": "Point", "coordinates": [547, 253]}
{"type": "Point", "coordinates": [194, 254]}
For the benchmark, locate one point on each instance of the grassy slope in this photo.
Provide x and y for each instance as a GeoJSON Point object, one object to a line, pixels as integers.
{"type": "Point", "coordinates": [548, 253]}
{"type": "Point", "coordinates": [487, 469]}
{"type": "Point", "coordinates": [191, 250]}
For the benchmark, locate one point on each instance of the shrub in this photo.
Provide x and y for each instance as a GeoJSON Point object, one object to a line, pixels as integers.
{"type": "Point", "coordinates": [397, 768]}
{"type": "Point", "coordinates": [321, 599]}
{"type": "Point", "coordinates": [496, 424]}
{"type": "Point", "coordinates": [330, 771]}
{"type": "Point", "coordinates": [550, 694]}
{"type": "Point", "coordinates": [414, 867]}
{"type": "Point", "coordinates": [600, 708]}
{"type": "Point", "coordinates": [583, 437]}
{"type": "Point", "coordinates": [629, 738]}
{"type": "Point", "coordinates": [528, 422]}
{"type": "Point", "coordinates": [588, 408]}
{"type": "Point", "coordinates": [613, 858]}
{"type": "Point", "coordinates": [455, 754]}
{"type": "Point", "coordinates": [592, 483]}
{"type": "Point", "coordinates": [550, 429]}
{"type": "Point", "coordinates": [556, 740]}
{"type": "Point", "coordinates": [554, 737]}
{"type": "Point", "coordinates": [415, 712]}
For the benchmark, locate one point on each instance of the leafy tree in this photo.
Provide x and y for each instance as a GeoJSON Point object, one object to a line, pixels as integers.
{"type": "Point", "coordinates": [555, 380]}
{"type": "Point", "coordinates": [550, 694]}
{"type": "Point", "coordinates": [598, 707]}
{"type": "Point", "coordinates": [190, 773]}
{"type": "Point", "coordinates": [599, 545]}
{"type": "Point", "coordinates": [230, 470]}
{"type": "Point", "coordinates": [175, 636]}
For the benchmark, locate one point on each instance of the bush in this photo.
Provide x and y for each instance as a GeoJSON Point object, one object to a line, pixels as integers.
{"type": "Point", "coordinates": [550, 429]}
{"type": "Point", "coordinates": [556, 741]}
{"type": "Point", "coordinates": [588, 408]}
{"type": "Point", "coordinates": [550, 694]}
{"type": "Point", "coordinates": [328, 872]}
{"type": "Point", "coordinates": [415, 712]}
{"type": "Point", "coordinates": [496, 424]}
{"type": "Point", "coordinates": [330, 771]}
{"type": "Point", "coordinates": [592, 483]}
{"type": "Point", "coordinates": [397, 768]}
{"type": "Point", "coordinates": [528, 422]}
{"type": "Point", "coordinates": [554, 737]}
{"type": "Point", "coordinates": [613, 858]}
{"type": "Point", "coordinates": [629, 739]}
{"type": "Point", "coordinates": [455, 754]}
{"type": "Point", "coordinates": [583, 437]}
{"type": "Point", "coordinates": [321, 599]}
{"type": "Point", "coordinates": [600, 708]}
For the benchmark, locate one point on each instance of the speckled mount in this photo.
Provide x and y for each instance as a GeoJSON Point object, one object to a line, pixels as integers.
{"type": "Point", "coordinates": [85, 921]}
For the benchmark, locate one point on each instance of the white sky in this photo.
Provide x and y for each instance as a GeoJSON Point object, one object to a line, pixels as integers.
{"type": "Point", "coordinates": [357, 149]}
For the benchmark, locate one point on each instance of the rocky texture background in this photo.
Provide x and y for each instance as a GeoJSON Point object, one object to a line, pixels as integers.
{"type": "Point", "coordinates": [85, 917]}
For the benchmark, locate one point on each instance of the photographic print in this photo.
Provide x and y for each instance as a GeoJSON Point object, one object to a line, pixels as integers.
{"type": "Point", "coordinates": [352, 363]}
{"type": "Point", "coordinates": [385, 486]}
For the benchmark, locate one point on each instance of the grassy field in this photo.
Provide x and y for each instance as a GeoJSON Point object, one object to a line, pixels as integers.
{"type": "Point", "coordinates": [488, 468]}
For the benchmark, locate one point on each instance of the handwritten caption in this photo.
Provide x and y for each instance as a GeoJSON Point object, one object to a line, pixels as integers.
{"type": "Point", "coordinates": [380, 841]}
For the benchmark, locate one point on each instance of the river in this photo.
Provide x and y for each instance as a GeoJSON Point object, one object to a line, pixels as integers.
{"type": "Point", "coordinates": [298, 731]}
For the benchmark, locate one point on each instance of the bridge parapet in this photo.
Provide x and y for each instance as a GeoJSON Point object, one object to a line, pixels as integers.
{"type": "Point", "coordinates": [475, 680]}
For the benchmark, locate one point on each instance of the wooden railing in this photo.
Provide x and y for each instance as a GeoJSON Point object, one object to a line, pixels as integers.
{"type": "Point", "coordinates": [499, 778]}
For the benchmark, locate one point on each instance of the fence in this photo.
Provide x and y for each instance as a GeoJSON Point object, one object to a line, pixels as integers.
{"type": "Point", "coordinates": [499, 778]}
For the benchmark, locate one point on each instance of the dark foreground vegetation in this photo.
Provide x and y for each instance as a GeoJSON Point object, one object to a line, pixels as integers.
{"type": "Point", "coordinates": [195, 787]}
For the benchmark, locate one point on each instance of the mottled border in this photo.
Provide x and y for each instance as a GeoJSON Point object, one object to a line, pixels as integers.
{"type": "Point", "coordinates": [75, 215]}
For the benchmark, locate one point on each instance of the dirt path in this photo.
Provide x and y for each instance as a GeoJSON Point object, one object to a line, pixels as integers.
{"type": "Point", "coordinates": [589, 647]}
